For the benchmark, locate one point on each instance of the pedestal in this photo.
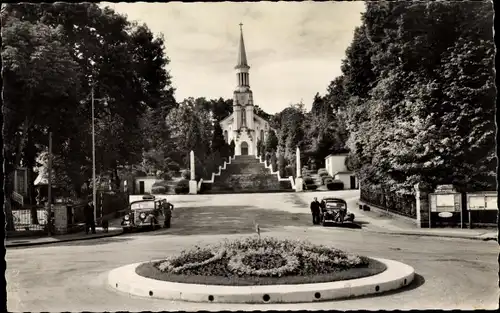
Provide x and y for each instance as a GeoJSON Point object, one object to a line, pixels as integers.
{"type": "Point", "coordinates": [193, 187]}
{"type": "Point", "coordinates": [299, 184]}
{"type": "Point", "coordinates": [60, 219]}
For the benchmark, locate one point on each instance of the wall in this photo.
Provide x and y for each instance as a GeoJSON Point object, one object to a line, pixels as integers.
{"type": "Point", "coordinates": [346, 179]}
{"type": "Point", "coordinates": [148, 183]}
{"type": "Point", "coordinates": [335, 164]}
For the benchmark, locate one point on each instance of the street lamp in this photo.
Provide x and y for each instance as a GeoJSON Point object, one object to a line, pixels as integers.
{"type": "Point", "coordinates": [94, 189]}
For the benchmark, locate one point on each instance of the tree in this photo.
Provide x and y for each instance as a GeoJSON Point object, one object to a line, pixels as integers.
{"type": "Point", "coordinates": [126, 65]}
{"type": "Point", "coordinates": [409, 112]}
{"type": "Point", "coordinates": [271, 143]}
{"type": "Point", "coordinates": [40, 78]}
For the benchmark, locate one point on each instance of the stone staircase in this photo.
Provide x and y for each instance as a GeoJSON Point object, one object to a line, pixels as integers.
{"type": "Point", "coordinates": [246, 174]}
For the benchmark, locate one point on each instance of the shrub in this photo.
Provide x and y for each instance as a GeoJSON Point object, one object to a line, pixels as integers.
{"type": "Point", "coordinates": [289, 172]}
{"type": "Point", "coordinates": [322, 170]}
{"type": "Point", "coordinates": [182, 187]}
{"type": "Point", "coordinates": [309, 183]}
{"type": "Point", "coordinates": [308, 180]}
{"type": "Point", "coordinates": [186, 174]}
{"type": "Point", "coordinates": [335, 185]}
{"type": "Point", "coordinates": [156, 190]}
{"type": "Point", "coordinates": [205, 187]}
{"type": "Point", "coordinates": [322, 174]}
{"type": "Point", "coordinates": [324, 179]}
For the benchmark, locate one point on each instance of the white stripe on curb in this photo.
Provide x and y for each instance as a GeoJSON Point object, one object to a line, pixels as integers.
{"type": "Point", "coordinates": [125, 279]}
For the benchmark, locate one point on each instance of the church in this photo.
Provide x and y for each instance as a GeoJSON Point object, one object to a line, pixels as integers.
{"type": "Point", "coordinates": [244, 126]}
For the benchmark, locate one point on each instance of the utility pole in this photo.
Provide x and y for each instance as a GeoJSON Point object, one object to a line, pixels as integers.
{"type": "Point", "coordinates": [49, 221]}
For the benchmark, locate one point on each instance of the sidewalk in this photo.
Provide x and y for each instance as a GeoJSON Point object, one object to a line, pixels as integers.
{"type": "Point", "coordinates": [381, 222]}
{"type": "Point", "coordinates": [34, 241]}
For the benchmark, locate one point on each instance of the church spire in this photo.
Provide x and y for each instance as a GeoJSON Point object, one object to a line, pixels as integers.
{"type": "Point", "coordinates": [242, 55]}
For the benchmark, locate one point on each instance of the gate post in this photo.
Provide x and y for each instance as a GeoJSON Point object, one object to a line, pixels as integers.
{"type": "Point", "coordinates": [298, 179]}
{"type": "Point", "coordinates": [193, 187]}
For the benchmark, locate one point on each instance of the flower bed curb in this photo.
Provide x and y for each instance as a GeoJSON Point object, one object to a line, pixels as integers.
{"type": "Point", "coordinates": [125, 279]}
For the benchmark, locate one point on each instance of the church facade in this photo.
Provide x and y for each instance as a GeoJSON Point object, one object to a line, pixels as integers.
{"type": "Point", "coordinates": [244, 126]}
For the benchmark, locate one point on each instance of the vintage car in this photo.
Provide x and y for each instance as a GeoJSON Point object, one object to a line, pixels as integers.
{"type": "Point", "coordinates": [334, 211]}
{"type": "Point", "coordinates": [148, 213]}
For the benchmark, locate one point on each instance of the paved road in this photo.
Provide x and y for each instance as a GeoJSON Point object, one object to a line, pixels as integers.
{"type": "Point", "coordinates": [452, 273]}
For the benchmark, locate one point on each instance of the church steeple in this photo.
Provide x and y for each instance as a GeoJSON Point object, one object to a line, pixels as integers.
{"type": "Point", "coordinates": [242, 65]}
{"type": "Point", "coordinates": [242, 55]}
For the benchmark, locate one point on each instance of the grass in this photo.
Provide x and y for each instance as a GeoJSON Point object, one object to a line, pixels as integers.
{"type": "Point", "coordinates": [150, 271]}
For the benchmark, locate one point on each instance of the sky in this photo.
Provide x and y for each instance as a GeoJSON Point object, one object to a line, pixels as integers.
{"type": "Point", "coordinates": [294, 49]}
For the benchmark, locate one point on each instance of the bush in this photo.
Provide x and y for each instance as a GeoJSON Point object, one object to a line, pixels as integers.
{"type": "Point", "coordinates": [308, 180]}
{"type": "Point", "coordinates": [309, 183]}
{"type": "Point", "coordinates": [335, 185]}
{"type": "Point", "coordinates": [289, 171]}
{"type": "Point", "coordinates": [158, 190]}
{"type": "Point", "coordinates": [324, 179]}
{"type": "Point", "coordinates": [322, 171]}
{"type": "Point", "coordinates": [186, 174]}
{"type": "Point", "coordinates": [182, 187]}
{"type": "Point", "coordinates": [205, 187]}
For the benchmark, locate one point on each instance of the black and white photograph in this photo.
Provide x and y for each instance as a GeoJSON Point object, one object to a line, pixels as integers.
{"type": "Point", "coordinates": [249, 156]}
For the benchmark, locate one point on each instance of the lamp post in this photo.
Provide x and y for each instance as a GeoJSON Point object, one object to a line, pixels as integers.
{"type": "Point", "coordinates": [94, 189]}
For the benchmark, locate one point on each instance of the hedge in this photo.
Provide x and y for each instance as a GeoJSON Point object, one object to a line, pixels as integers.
{"type": "Point", "coordinates": [335, 185]}
{"type": "Point", "coordinates": [182, 187]}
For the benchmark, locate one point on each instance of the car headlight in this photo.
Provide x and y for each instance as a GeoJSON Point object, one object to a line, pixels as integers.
{"type": "Point", "coordinates": [126, 217]}
{"type": "Point", "coordinates": [143, 215]}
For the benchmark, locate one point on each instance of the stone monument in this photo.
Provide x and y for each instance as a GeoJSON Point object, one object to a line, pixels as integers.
{"type": "Point", "coordinates": [193, 187]}
{"type": "Point", "coordinates": [298, 180]}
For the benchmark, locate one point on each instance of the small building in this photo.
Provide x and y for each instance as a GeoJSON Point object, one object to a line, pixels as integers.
{"type": "Point", "coordinates": [144, 184]}
{"type": "Point", "coordinates": [335, 165]}
{"type": "Point", "coordinates": [348, 178]}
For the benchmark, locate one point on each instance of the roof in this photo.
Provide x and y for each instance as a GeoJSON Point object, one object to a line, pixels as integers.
{"type": "Point", "coordinates": [333, 199]}
{"type": "Point", "coordinates": [336, 154]}
{"type": "Point", "coordinates": [343, 172]}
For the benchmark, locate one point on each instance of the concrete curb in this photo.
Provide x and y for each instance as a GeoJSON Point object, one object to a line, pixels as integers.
{"type": "Point", "coordinates": [27, 244]}
{"type": "Point", "coordinates": [457, 236]}
{"type": "Point", "coordinates": [125, 279]}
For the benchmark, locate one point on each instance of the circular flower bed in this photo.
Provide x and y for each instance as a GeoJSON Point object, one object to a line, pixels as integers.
{"type": "Point", "coordinates": [261, 261]}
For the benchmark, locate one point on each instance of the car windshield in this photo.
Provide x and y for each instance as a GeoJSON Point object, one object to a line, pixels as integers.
{"type": "Point", "coordinates": [334, 205]}
{"type": "Point", "coordinates": [143, 205]}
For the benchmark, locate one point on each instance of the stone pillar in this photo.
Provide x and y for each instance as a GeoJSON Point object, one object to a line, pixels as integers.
{"type": "Point", "coordinates": [298, 180]}
{"type": "Point", "coordinates": [423, 206]}
{"type": "Point", "coordinates": [60, 219]}
{"type": "Point", "coordinates": [193, 187]}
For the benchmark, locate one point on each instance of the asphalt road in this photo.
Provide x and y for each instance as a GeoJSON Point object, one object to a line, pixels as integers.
{"type": "Point", "coordinates": [451, 273]}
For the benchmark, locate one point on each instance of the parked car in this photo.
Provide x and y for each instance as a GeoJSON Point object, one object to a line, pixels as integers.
{"type": "Point", "coordinates": [334, 210]}
{"type": "Point", "coordinates": [148, 213]}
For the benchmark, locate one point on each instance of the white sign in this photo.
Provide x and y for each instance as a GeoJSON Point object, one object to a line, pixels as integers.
{"type": "Point", "coordinates": [492, 202]}
{"type": "Point", "coordinates": [482, 202]}
{"type": "Point", "coordinates": [445, 214]}
{"type": "Point", "coordinates": [477, 202]}
{"type": "Point", "coordinates": [445, 200]}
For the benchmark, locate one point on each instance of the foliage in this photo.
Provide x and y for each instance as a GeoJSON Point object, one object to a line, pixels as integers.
{"type": "Point", "coordinates": [261, 257]}
{"type": "Point", "coordinates": [335, 185]}
{"type": "Point", "coordinates": [66, 48]}
{"type": "Point", "coordinates": [419, 96]}
{"type": "Point", "coordinates": [271, 143]}
{"type": "Point", "coordinates": [182, 187]}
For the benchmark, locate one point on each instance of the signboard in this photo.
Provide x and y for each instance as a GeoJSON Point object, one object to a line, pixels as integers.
{"type": "Point", "coordinates": [482, 202]}
{"type": "Point", "coordinates": [445, 202]}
